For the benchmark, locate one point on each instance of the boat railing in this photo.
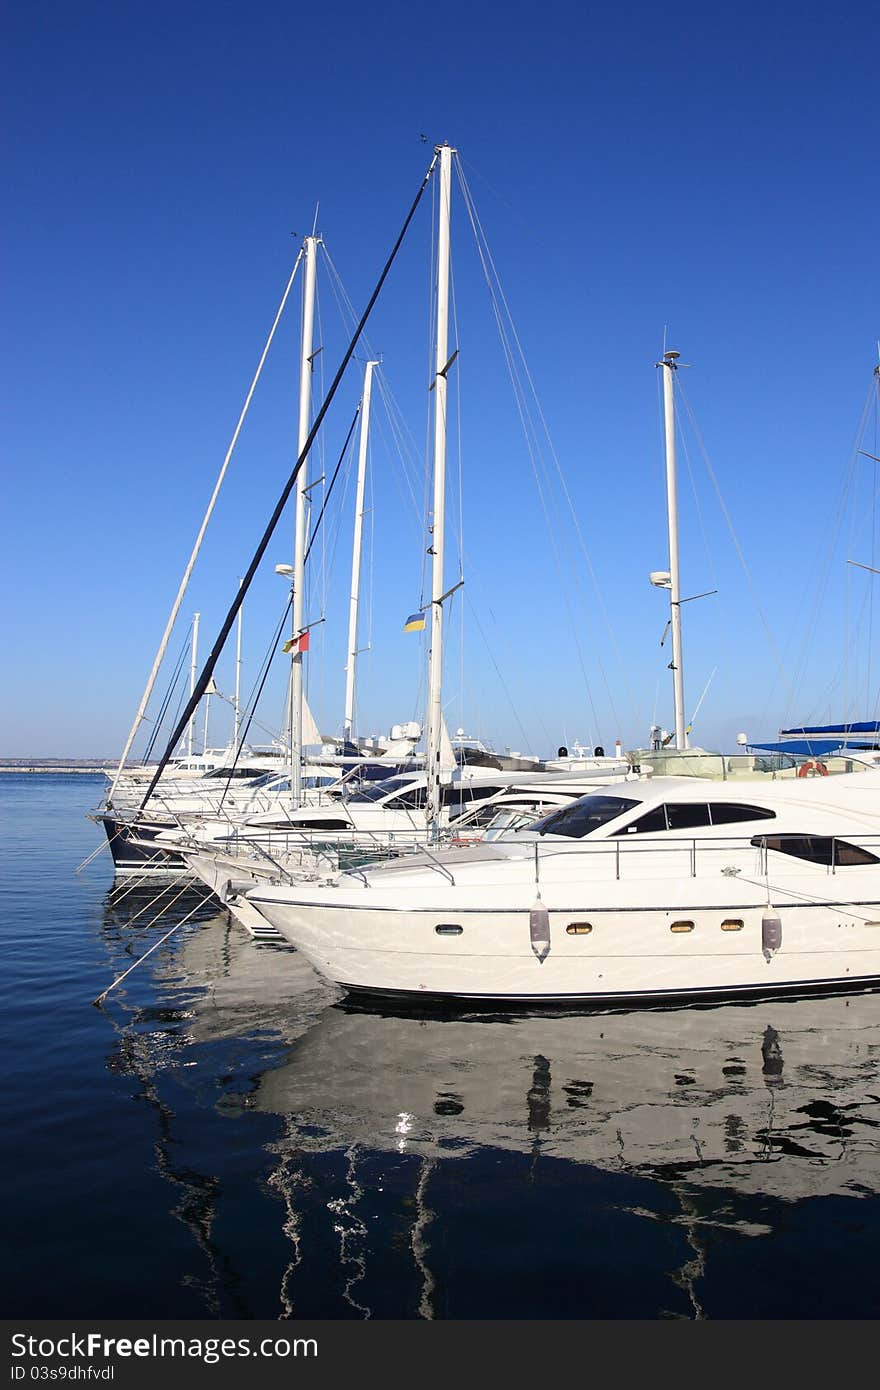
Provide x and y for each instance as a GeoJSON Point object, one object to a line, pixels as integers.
{"type": "Point", "coordinates": [281, 841]}
{"type": "Point", "coordinates": [686, 856]}
{"type": "Point", "coordinates": [689, 854]}
{"type": "Point", "coordinates": [255, 849]}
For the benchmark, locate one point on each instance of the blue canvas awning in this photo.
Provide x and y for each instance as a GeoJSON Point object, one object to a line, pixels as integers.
{"type": "Point", "coordinates": [818, 740]}
{"type": "Point", "coordinates": [843, 732]}
{"type": "Point", "coordinates": [813, 747]}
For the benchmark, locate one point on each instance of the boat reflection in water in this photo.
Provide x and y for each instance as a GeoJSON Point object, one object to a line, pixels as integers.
{"type": "Point", "coordinates": [779, 1098]}
{"type": "Point", "coordinates": [327, 1160]}
{"type": "Point", "coordinates": [726, 1116]}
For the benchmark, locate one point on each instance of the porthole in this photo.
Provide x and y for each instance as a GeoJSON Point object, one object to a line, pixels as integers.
{"type": "Point", "coordinates": [732, 924]}
{"type": "Point", "coordinates": [682, 926]}
{"type": "Point", "coordinates": [579, 928]}
{"type": "Point", "coordinates": [448, 929]}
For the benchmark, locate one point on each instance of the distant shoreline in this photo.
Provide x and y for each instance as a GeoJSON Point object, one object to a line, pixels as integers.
{"type": "Point", "coordinates": [62, 767]}
{"type": "Point", "coordinates": [83, 765]}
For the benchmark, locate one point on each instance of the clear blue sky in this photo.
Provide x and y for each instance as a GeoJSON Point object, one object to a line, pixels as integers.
{"type": "Point", "coordinates": [708, 171]}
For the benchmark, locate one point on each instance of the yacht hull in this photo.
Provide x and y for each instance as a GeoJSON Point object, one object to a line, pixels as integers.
{"type": "Point", "coordinates": [638, 954]}
{"type": "Point", "coordinates": [229, 882]}
{"type": "Point", "coordinates": [132, 850]}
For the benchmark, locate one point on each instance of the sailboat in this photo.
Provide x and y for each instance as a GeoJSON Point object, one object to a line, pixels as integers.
{"type": "Point", "coordinates": [234, 782]}
{"type": "Point", "coordinates": [413, 809]}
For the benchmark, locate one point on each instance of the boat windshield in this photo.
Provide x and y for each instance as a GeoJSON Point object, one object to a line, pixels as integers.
{"type": "Point", "coordinates": [267, 780]}
{"type": "Point", "coordinates": [582, 817]}
{"type": "Point", "coordinates": [505, 822]}
{"type": "Point", "coordinates": [379, 790]}
{"type": "Point", "coordinates": [372, 772]}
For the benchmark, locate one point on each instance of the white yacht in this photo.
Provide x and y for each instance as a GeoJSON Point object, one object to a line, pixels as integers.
{"type": "Point", "coordinates": [199, 778]}
{"type": "Point", "coordinates": [147, 841]}
{"type": "Point", "coordinates": [242, 859]}
{"type": "Point", "coordinates": [666, 888]}
{"type": "Point", "coordinates": [388, 814]}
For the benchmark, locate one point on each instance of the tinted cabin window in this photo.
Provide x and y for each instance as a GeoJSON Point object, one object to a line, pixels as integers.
{"type": "Point", "coordinates": [296, 825]}
{"type": "Point", "coordinates": [675, 815]}
{"type": "Point", "coordinates": [378, 790]}
{"type": "Point", "coordinates": [687, 815]}
{"type": "Point", "coordinates": [727, 812]}
{"type": "Point", "coordinates": [409, 801]}
{"type": "Point", "coordinates": [583, 816]}
{"type": "Point", "coordinates": [651, 823]}
{"type": "Point", "coordinates": [817, 849]}
{"type": "Point", "coordinates": [693, 815]}
{"type": "Point", "coordinates": [461, 794]}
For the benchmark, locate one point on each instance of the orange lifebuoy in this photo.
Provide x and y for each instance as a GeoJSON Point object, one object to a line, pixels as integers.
{"type": "Point", "coordinates": [812, 769]}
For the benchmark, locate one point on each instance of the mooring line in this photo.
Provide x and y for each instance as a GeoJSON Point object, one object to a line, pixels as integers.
{"type": "Point", "coordinates": [156, 944]}
{"type": "Point", "coordinates": [152, 903]}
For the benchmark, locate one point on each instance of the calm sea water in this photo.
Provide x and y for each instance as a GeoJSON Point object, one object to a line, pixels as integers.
{"type": "Point", "coordinates": [226, 1137]}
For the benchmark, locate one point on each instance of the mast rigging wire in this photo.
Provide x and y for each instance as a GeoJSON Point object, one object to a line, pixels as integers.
{"type": "Point", "coordinates": [273, 648]}
{"type": "Point", "coordinates": [175, 607]}
{"type": "Point", "coordinates": [163, 708]}
{"type": "Point", "coordinates": [832, 534]}
{"type": "Point", "coordinates": [734, 537]}
{"type": "Point", "coordinates": [208, 668]}
{"type": "Point", "coordinates": [519, 382]}
{"type": "Point", "coordinates": [267, 666]}
{"type": "Point", "coordinates": [402, 442]}
{"type": "Point", "coordinates": [328, 545]}
{"type": "Point", "coordinates": [329, 489]}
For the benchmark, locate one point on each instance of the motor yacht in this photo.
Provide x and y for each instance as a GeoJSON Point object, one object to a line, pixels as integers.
{"type": "Point", "coordinates": [660, 889]}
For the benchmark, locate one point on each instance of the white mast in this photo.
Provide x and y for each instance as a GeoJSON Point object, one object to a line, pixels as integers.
{"type": "Point", "coordinates": [668, 365]}
{"type": "Point", "coordinates": [348, 724]}
{"type": "Point", "coordinates": [310, 247]}
{"type": "Point", "coordinates": [194, 651]}
{"type": "Point", "coordinates": [435, 663]}
{"type": "Point", "coordinates": [210, 689]}
{"type": "Point", "coordinates": [237, 701]}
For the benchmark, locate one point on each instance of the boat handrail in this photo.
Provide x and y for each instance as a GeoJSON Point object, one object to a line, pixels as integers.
{"type": "Point", "coordinates": [694, 845]}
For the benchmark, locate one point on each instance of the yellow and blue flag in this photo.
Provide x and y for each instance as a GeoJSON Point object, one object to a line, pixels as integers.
{"type": "Point", "coordinates": [414, 623]}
